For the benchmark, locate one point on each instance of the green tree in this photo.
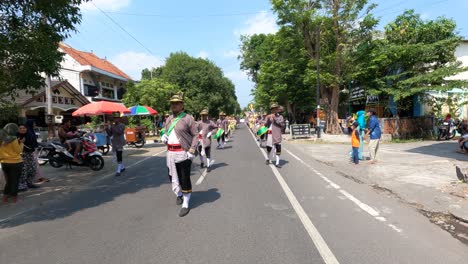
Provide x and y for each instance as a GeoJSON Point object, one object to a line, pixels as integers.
{"type": "Point", "coordinates": [278, 64]}
{"type": "Point", "coordinates": [342, 25]}
{"type": "Point", "coordinates": [413, 57]}
{"type": "Point", "coordinates": [30, 31]}
{"type": "Point", "coordinates": [202, 82]}
{"type": "Point", "coordinates": [154, 93]}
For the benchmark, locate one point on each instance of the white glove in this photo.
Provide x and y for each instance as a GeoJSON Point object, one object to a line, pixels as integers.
{"type": "Point", "coordinates": [208, 135]}
{"type": "Point", "coordinates": [190, 156]}
{"type": "Point", "coordinates": [164, 138]}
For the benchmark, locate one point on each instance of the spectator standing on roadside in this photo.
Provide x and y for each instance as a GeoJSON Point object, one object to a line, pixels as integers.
{"type": "Point", "coordinates": [10, 158]}
{"type": "Point", "coordinates": [26, 134]}
{"type": "Point", "coordinates": [373, 130]}
{"type": "Point", "coordinates": [355, 142]}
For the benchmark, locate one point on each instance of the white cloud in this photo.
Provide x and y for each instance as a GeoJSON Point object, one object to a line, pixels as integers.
{"type": "Point", "coordinates": [132, 62]}
{"type": "Point", "coordinates": [231, 54]}
{"type": "Point", "coordinates": [237, 75]}
{"type": "Point", "coordinates": [106, 5]}
{"type": "Point", "coordinates": [203, 54]}
{"type": "Point", "coordinates": [262, 22]}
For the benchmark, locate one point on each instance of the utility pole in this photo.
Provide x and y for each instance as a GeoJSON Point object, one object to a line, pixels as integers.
{"type": "Point", "coordinates": [317, 55]}
{"type": "Point", "coordinates": [49, 115]}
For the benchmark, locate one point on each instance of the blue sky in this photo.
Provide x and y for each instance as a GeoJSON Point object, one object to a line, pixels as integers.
{"type": "Point", "coordinates": [206, 28]}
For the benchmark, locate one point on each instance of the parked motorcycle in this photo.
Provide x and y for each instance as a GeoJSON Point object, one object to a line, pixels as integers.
{"type": "Point", "coordinates": [89, 156]}
{"type": "Point", "coordinates": [448, 130]}
{"type": "Point", "coordinates": [44, 150]}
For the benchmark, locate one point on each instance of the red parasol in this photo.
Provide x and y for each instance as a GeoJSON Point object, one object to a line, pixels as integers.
{"type": "Point", "coordinates": [101, 108]}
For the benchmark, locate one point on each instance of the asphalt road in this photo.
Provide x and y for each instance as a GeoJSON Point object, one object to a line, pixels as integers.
{"type": "Point", "coordinates": [242, 212]}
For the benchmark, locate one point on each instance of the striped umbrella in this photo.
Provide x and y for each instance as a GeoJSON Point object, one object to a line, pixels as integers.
{"type": "Point", "coordinates": [142, 110]}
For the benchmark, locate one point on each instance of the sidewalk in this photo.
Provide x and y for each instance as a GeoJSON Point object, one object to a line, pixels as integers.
{"type": "Point", "coordinates": [421, 174]}
{"type": "Point", "coordinates": [65, 181]}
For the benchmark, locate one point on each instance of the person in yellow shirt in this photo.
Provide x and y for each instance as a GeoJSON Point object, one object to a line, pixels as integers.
{"type": "Point", "coordinates": [10, 159]}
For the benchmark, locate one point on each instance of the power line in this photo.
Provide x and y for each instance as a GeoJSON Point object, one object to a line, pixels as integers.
{"type": "Point", "coordinates": [185, 16]}
{"type": "Point", "coordinates": [123, 29]}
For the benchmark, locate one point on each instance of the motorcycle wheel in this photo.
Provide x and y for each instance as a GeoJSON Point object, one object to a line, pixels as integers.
{"type": "Point", "coordinates": [42, 157]}
{"type": "Point", "coordinates": [104, 149]}
{"type": "Point", "coordinates": [452, 135]}
{"type": "Point", "coordinates": [139, 144]}
{"type": "Point", "coordinates": [54, 160]}
{"type": "Point", "coordinates": [439, 136]}
{"type": "Point", "coordinates": [96, 163]}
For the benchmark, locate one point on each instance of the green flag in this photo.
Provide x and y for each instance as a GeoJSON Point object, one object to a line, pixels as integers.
{"type": "Point", "coordinates": [219, 133]}
{"type": "Point", "coordinates": [262, 130]}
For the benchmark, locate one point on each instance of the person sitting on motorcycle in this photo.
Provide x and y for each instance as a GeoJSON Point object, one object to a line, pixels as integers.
{"type": "Point", "coordinates": [64, 136]}
{"type": "Point", "coordinates": [140, 129]}
{"type": "Point", "coordinates": [73, 138]}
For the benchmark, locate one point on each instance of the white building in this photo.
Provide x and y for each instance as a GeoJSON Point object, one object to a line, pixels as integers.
{"type": "Point", "coordinates": [462, 92]}
{"type": "Point", "coordinates": [95, 78]}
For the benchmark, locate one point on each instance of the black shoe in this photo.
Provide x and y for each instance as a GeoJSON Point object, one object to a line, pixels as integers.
{"type": "Point", "coordinates": [267, 162]}
{"type": "Point", "coordinates": [122, 170]}
{"type": "Point", "coordinates": [208, 169]}
{"type": "Point", "coordinates": [117, 174]}
{"type": "Point", "coordinates": [278, 166]}
{"type": "Point", "coordinates": [202, 165]}
{"type": "Point", "coordinates": [184, 211]}
{"type": "Point", "coordinates": [179, 200]}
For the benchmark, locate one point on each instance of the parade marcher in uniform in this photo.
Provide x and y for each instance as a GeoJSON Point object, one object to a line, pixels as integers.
{"type": "Point", "coordinates": [182, 140]}
{"type": "Point", "coordinates": [206, 128]}
{"type": "Point", "coordinates": [117, 135]}
{"type": "Point", "coordinates": [222, 124]}
{"type": "Point", "coordinates": [274, 122]}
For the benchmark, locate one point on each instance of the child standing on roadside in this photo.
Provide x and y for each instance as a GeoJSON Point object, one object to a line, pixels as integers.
{"type": "Point", "coordinates": [355, 142]}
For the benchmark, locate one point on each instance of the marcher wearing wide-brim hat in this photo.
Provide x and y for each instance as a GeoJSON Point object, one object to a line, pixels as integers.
{"type": "Point", "coordinates": [117, 134]}
{"type": "Point", "coordinates": [206, 128]}
{"type": "Point", "coordinates": [222, 123]}
{"type": "Point", "coordinates": [180, 136]}
{"type": "Point", "coordinates": [274, 122]}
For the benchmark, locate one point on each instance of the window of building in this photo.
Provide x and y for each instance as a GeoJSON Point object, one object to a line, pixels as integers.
{"type": "Point", "coordinates": [108, 93]}
{"type": "Point", "coordinates": [91, 90]}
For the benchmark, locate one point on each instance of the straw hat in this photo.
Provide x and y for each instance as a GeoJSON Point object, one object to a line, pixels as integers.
{"type": "Point", "coordinates": [274, 105]}
{"type": "Point", "coordinates": [222, 113]}
{"type": "Point", "coordinates": [204, 111]}
{"type": "Point", "coordinates": [177, 98]}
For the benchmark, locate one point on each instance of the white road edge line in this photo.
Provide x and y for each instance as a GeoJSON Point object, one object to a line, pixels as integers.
{"type": "Point", "coordinates": [202, 177]}
{"type": "Point", "coordinates": [322, 247]}
{"type": "Point", "coordinates": [89, 183]}
{"type": "Point", "coordinates": [368, 209]}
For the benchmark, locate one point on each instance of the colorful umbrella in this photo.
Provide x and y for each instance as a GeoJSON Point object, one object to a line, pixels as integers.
{"type": "Point", "coordinates": [101, 108]}
{"type": "Point", "coordinates": [142, 110]}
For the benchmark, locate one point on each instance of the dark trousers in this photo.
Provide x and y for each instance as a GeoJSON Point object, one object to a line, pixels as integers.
{"type": "Point", "coordinates": [119, 156]}
{"type": "Point", "coordinates": [222, 137]}
{"type": "Point", "coordinates": [278, 149]}
{"type": "Point", "coordinates": [183, 171]}
{"type": "Point", "coordinates": [356, 155]}
{"type": "Point", "coordinates": [207, 151]}
{"type": "Point", "coordinates": [12, 173]}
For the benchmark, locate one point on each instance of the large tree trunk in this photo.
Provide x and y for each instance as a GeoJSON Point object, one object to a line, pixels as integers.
{"type": "Point", "coordinates": [333, 126]}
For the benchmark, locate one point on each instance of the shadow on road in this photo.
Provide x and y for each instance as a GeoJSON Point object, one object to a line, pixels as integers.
{"type": "Point", "coordinates": [204, 197]}
{"type": "Point", "coordinates": [441, 149]}
{"type": "Point", "coordinates": [132, 180]}
{"type": "Point", "coordinates": [219, 165]}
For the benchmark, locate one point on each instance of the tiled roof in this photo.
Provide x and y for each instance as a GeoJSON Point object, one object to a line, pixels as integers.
{"type": "Point", "coordinates": [88, 58]}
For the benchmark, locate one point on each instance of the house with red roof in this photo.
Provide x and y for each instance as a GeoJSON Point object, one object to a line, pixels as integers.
{"type": "Point", "coordinates": [94, 77]}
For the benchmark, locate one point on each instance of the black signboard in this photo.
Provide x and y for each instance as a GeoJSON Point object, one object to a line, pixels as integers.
{"type": "Point", "coordinates": [300, 130]}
